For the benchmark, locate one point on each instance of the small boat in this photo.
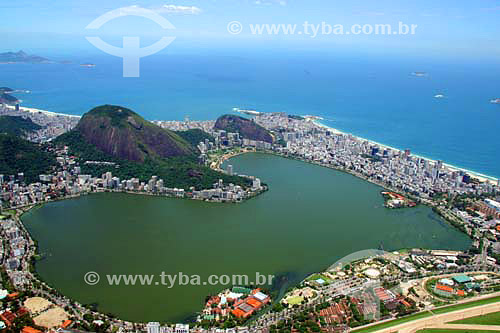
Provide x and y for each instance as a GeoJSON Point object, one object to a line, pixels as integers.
{"type": "Point", "coordinates": [419, 74]}
{"type": "Point", "coordinates": [495, 101]}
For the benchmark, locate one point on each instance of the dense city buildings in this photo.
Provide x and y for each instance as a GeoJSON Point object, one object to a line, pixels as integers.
{"type": "Point", "coordinates": [377, 286]}
{"type": "Point", "coordinates": [53, 124]}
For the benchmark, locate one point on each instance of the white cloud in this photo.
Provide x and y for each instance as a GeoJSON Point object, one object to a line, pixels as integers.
{"type": "Point", "coordinates": [270, 2]}
{"type": "Point", "coordinates": [177, 9]}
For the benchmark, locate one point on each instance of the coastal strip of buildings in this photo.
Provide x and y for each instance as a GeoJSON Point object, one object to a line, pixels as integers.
{"type": "Point", "coordinates": [425, 181]}
{"type": "Point", "coordinates": [305, 139]}
{"type": "Point", "coordinates": [69, 182]}
{"type": "Point", "coordinates": [53, 124]}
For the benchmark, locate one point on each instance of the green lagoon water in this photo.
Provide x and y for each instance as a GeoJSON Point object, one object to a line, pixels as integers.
{"type": "Point", "coordinates": [310, 217]}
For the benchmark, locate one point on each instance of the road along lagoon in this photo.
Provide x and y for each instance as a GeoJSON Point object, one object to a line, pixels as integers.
{"type": "Point", "coordinates": [310, 217]}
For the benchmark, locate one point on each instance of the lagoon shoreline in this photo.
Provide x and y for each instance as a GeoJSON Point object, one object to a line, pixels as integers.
{"type": "Point", "coordinates": [360, 181]}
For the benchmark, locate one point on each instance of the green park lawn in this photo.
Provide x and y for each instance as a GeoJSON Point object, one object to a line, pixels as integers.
{"type": "Point", "coordinates": [295, 300]}
{"type": "Point", "coordinates": [319, 276]}
{"type": "Point", "coordinates": [488, 319]}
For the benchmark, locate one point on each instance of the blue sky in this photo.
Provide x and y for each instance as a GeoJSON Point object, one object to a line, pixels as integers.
{"type": "Point", "coordinates": [453, 28]}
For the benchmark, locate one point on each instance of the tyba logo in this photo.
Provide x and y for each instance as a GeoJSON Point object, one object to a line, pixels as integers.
{"type": "Point", "coordinates": [131, 52]}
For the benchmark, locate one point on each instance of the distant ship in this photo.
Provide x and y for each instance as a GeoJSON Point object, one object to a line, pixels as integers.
{"type": "Point", "coordinates": [87, 65]}
{"type": "Point", "coordinates": [495, 101]}
{"type": "Point", "coordinates": [419, 74]}
{"type": "Point", "coordinates": [439, 96]}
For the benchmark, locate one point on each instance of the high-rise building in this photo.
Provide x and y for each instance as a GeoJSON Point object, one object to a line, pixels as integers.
{"type": "Point", "coordinates": [466, 178]}
{"type": "Point", "coordinates": [256, 184]}
{"type": "Point", "coordinates": [181, 328]}
{"type": "Point", "coordinates": [230, 169]}
{"type": "Point", "coordinates": [153, 327]}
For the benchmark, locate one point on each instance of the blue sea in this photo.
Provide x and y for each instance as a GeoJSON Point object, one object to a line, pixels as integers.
{"type": "Point", "coordinates": [373, 97]}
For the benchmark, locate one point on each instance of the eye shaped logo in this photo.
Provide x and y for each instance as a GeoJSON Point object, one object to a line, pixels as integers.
{"type": "Point", "coordinates": [131, 52]}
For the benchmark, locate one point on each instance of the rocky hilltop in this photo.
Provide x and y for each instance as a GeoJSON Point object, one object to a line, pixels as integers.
{"type": "Point", "coordinates": [124, 134]}
{"type": "Point", "coordinates": [135, 147]}
{"type": "Point", "coordinates": [245, 127]}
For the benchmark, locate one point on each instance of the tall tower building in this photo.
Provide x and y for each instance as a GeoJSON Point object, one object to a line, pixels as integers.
{"type": "Point", "coordinates": [153, 327]}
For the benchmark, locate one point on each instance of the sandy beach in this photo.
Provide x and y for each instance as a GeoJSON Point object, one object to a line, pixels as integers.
{"type": "Point", "coordinates": [481, 177]}
{"type": "Point", "coordinates": [47, 113]}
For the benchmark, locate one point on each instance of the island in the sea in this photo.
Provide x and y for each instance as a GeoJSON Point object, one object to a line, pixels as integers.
{"type": "Point", "coordinates": [21, 57]}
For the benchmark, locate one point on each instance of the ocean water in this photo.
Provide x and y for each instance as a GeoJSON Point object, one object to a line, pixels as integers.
{"type": "Point", "coordinates": [372, 97]}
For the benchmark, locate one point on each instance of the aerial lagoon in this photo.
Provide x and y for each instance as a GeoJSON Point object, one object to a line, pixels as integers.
{"type": "Point", "coordinates": [310, 217]}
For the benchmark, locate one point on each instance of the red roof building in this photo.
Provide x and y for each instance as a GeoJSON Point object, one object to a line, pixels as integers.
{"type": "Point", "coordinates": [238, 313]}
{"type": "Point", "coordinates": [29, 329]}
{"type": "Point", "coordinates": [66, 323]}
{"type": "Point", "coordinates": [21, 312]}
{"type": "Point", "coordinates": [8, 317]}
{"type": "Point", "coordinates": [444, 288]}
